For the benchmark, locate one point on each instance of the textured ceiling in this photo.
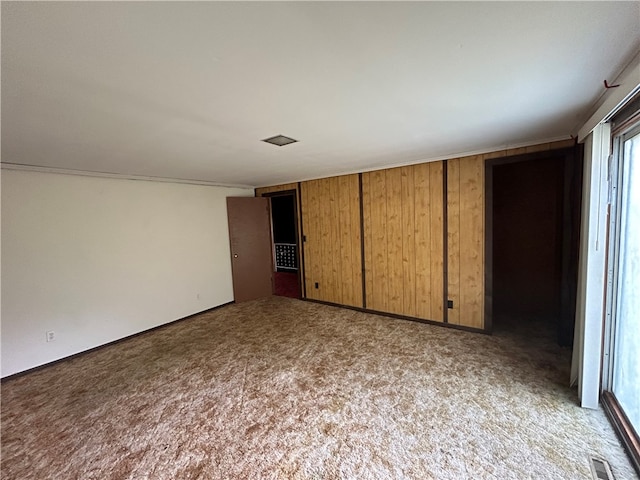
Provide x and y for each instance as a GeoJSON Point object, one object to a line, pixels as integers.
{"type": "Point", "coordinates": [188, 90]}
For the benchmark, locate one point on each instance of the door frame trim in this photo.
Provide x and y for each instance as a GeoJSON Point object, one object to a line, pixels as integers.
{"type": "Point", "coordinates": [297, 219]}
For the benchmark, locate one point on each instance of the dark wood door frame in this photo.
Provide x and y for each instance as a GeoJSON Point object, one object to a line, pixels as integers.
{"type": "Point", "coordinates": [296, 212]}
{"type": "Point", "coordinates": [572, 158]}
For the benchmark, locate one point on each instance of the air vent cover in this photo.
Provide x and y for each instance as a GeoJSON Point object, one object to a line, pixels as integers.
{"type": "Point", "coordinates": [280, 140]}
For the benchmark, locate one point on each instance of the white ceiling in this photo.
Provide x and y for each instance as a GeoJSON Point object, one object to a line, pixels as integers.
{"type": "Point", "coordinates": [187, 90]}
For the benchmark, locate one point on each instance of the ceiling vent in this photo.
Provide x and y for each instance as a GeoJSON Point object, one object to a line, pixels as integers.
{"type": "Point", "coordinates": [280, 140]}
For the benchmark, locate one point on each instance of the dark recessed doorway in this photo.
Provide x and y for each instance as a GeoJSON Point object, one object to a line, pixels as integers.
{"type": "Point", "coordinates": [285, 245]}
{"type": "Point", "coordinates": [533, 216]}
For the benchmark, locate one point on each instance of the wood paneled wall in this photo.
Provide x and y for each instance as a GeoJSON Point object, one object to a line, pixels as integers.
{"type": "Point", "coordinates": [465, 237]}
{"type": "Point", "coordinates": [331, 226]}
{"type": "Point", "coordinates": [276, 188]}
{"type": "Point", "coordinates": [404, 240]}
{"type": "Point", "coordinates": [466, 232]}
{"type": "Point", "coordinates": [403, 217]}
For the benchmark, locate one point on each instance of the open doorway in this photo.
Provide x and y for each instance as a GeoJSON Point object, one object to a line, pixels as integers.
{"type": "Point", "coordinates": [285, 244]}
{"type": "Point", "coordinates": [533, 211]}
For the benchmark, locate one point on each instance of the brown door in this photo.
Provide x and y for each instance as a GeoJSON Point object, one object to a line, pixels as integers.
{"type": "Point", "coordinates": [250, 237]}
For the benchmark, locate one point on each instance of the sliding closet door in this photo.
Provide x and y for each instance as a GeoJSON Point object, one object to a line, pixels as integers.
{"type": "Point", "coordinates": [404, 240]}
{"type": "Point", "coordinates": [331, 240]}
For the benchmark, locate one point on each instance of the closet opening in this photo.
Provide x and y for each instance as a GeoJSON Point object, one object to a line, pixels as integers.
{"type": "Point", "coordinates": [533, 227]}
{"type": "Point", "coordinates": [284, 224]}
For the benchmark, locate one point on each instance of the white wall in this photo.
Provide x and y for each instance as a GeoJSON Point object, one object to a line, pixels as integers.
{"type": "Point", "coordinates": [97, 259]}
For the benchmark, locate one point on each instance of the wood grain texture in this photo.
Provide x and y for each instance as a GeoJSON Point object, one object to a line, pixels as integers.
{"type": "Point", "coordinates": [311, 227]}
{"type": "Point", "coordinates": [305, 200]}
{"type": "Point", "coordinates": [337, 273]}
{"type": "Point", "coordinates": [395, 284]}
{"type": "Point", "coordinates": [408, 240]}
{"type": "Point", "coordinates": [355, 234]}
{"type": "Point", "coordinates": [472, 241]}
{"type": "Point", "coordinates": [422, 195]}
{"type": "Point", "coordinates": [326, 241]}
{"type": "Point", "coordinates": [344, 239]}
{"type": "Point", "coordinates": [367, 233]}
{"type": "Point", "coordinates": [349, 240]}
{"type": "Point", "coordinates": [453, 239]}
{"type": "Point", "coordinates": [378, 296]}
{"type": "Point", "coordinates": [331, 216]}
{"type": "Point", "coordinates": [436, 202]}
{"type": "Point", "coordinates": [400, 215]}
{"type": "Point", "coordinates": [465, 207]}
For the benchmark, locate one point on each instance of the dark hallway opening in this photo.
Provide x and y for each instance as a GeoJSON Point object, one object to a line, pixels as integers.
{"type": "Point", "coordinates": [285, 239]}
{"type": "Point", "coordinates": [527, 209]}
{"type": "Point", "coordinates": [534, 245]}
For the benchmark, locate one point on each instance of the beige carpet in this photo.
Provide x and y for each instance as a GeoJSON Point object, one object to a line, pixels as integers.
{"type": "Point", "coordinates": [284, 389]}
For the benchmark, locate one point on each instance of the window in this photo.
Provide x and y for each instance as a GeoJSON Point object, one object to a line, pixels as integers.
{"type": "Point", "coordinates": [621, 380]}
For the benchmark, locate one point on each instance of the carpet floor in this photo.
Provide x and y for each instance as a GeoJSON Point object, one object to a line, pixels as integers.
{"type": "Point", "coordinates": [284, 389]}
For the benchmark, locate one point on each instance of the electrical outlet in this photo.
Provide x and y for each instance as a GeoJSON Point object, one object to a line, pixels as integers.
{"type": "Point", "coordinates": [51, 336]}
